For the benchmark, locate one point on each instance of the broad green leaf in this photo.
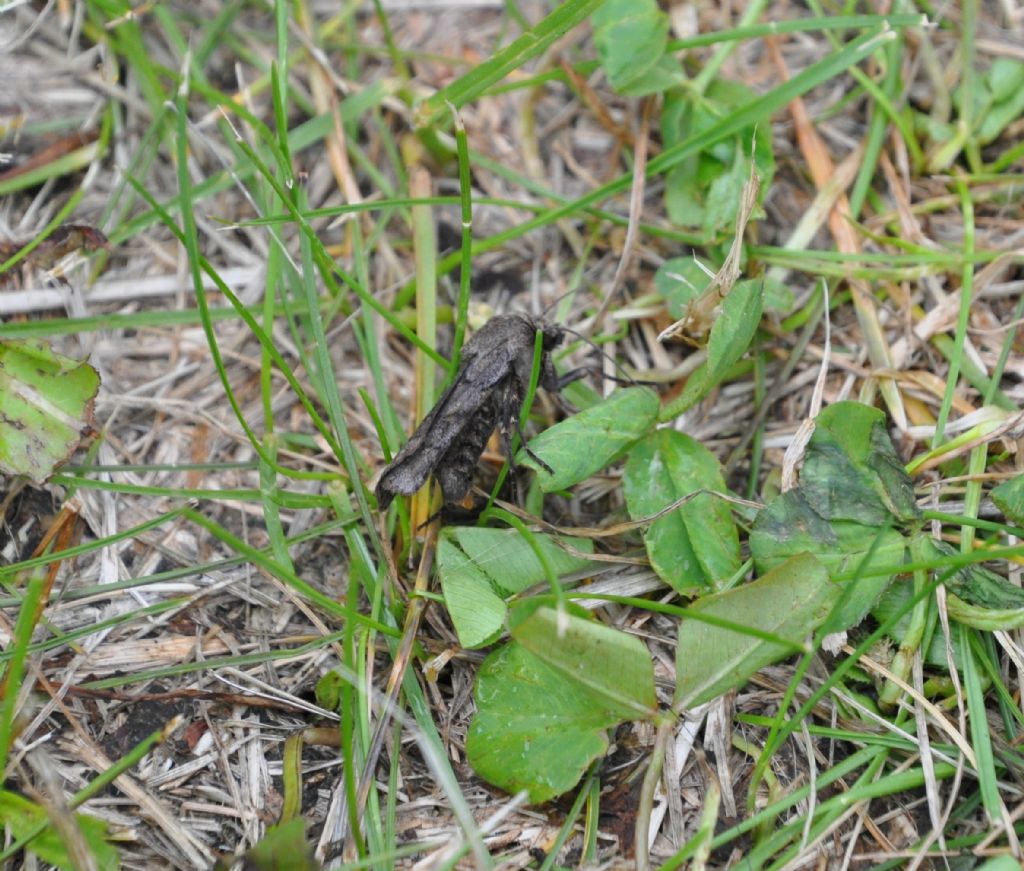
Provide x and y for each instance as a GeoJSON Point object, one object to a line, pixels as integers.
{"type": "Point", "coordinates": [533, 729]}
{"type": "Point", "coordinates": [1000, 116]}
{"type": "Point", "coordinates": [477, 611]}
{"type": "Point", "coordinates": [696, 544]}
{"type": "Point", "coordinates": [1005, 78]}
{"type": "Point", "coordinates": [680, 281]}
{"type": "Point", "coordinates": [999, 863]}
{"type": "Point", "coordinates": [542, 719]}
{"type": "Point", "coordinates": [630, 37]}
{"type": "Point", "coordinates": [730, 338]}
{"type": "Point", "coordinates": [24, 816]}
{"type": "Point", "coordinates": [1003, 98]}
{"type": "Point", "coordinates": [789, 526]}
{"type": "Point", "coordinates": [587, 442]}
{"type": "Point", "coordinates": [45, 406]}
{"type": "Point", "coordinates": [666, 73]}
{"type": "Point", "coordinates": [328, 690]}
{"type": "Point", "coordinates": [479, 568]}
{"type": "Point", "coordinates": [615, 668]}
{"type": "Point", "coordinates": [851, 469]}
{"type": "Point", "coordinates": [980, 589]}
{"type": "Point", "coordinates": [777, 296]}
{"type": "Point", "coordinates": [1009, 498]}
{"type": "Point", "coordinates": [852, 489]}
{"type": "Point", "coordinates": [284, 846]}
{"type": "Point", "coordinates": [790, 602]}
{"type": "Point", "coordinates": [509, 561]}
{"type": "Point", "coordinates": [724, 192]}
{"type": "Point", "coordinates": [684, 194]}
{"type": "Point", "coordinates": [697, 190]}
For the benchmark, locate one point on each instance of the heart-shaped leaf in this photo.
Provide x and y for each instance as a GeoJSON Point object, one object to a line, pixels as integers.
{"type": "Point", "coordinates": [851, 470]}
{"type": "Point", "coordinates": [45, 406]}
{"type": "Point", "coordinates": [697, 543]}
{"type": "Point", "coordinates": [630, 36]}
{"type": "Point", "coordinates": [789, 526]}
{"type": "Point", "coordinates": [613, 666]}
{"type": "Point", "coordinates": [543, 713]}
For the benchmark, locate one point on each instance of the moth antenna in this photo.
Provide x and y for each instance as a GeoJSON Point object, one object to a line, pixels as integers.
{"type": "Point", "coordinates": [629, 379]}
{"type": "Point", "coordinates": [547, 309]}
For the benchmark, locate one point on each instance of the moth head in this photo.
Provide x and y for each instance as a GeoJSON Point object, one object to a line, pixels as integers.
{"type": "Point", "coordinates": [553, 335]}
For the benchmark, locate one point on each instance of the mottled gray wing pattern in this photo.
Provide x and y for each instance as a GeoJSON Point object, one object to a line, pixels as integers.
{"type": "Point", "coordinates": [487, 390]}
{"type": "Point", "coordinates": [494, 349]}
{"type": "Point", "coordinates": [442, 426]}
{"type": "Point", "coordinates": [455, 471]}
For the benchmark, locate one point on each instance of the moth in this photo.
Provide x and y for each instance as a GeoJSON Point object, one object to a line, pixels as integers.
{"type": "Point", "coordinates": [486, 394]}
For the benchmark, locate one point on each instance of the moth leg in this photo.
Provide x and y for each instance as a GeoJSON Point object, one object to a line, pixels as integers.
{"type": "Point", "coordinates": [512, 399]}
{"type": "Point", "coordinates": [526, 449]}
{"type": "Point", "coordinates": [435, 516]}
{"type": "Point", "coordinates": [563, 381]}
{"type": "Point", "coordinates": [506, 446]}
{"type": "Point", "coordinates": [552, 382]}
